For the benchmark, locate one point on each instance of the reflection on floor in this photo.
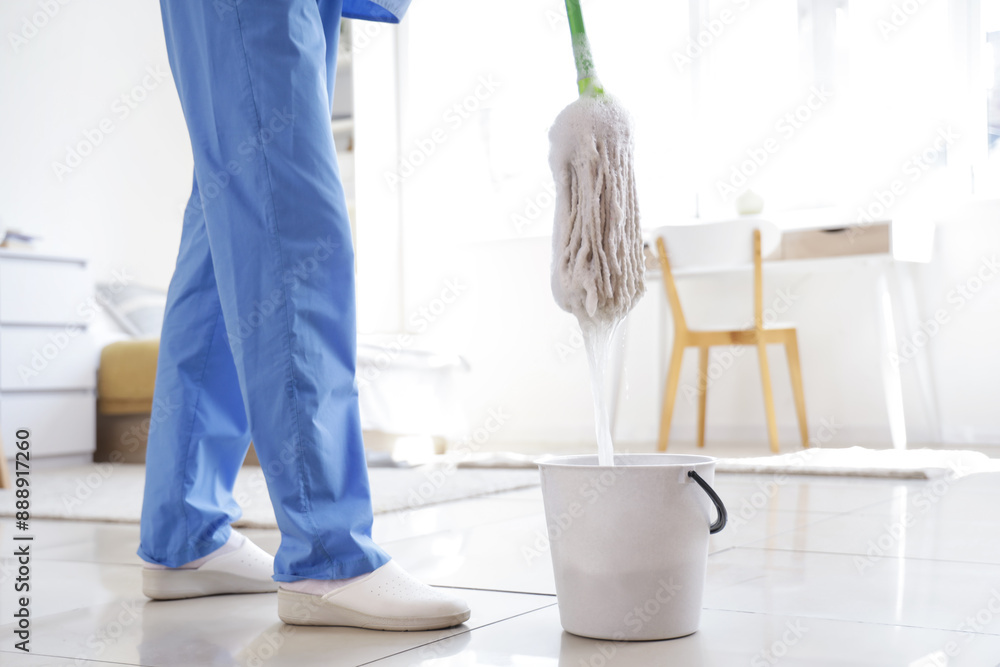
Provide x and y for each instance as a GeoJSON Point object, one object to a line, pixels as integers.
{"type": "Point", "coordinates": [810, 571]}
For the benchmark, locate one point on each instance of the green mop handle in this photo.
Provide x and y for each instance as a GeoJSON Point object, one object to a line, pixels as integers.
{"type": "Point", "coordinates": [586, 77]}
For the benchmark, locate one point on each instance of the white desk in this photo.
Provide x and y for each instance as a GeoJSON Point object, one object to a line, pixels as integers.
{"type": "Point", "coordinates": [889, 248]}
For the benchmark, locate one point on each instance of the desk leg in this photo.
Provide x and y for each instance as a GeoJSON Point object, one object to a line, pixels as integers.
{"type": "Point", "coordinates": [890, 364]}
{"type": "Point", "coordinates": [921, 361]}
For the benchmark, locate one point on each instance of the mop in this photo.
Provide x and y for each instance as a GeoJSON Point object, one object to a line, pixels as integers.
{"type": "Point", "coordinates": [597, 259]}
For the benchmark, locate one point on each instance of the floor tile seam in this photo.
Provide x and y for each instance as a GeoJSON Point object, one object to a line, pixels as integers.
{"type": "Point", "coordinates": [789, 530]}
{"type": "Point", "coordinates": [452, 530]}
{"type": "Point", "coordinates": [36, 557]}
{"type": "Point", "coordinates": [457, 634]}
{"type": "Point", "coordinates": [851, 554]}
{"type": "Point", "coordinates": [36, 616]}
{"type": "Point", "coordinates": [63, 657]}
{"type": "Point", "coordinates": [853, 620]}
{"type": "Point", "coordinates": [493, 590]}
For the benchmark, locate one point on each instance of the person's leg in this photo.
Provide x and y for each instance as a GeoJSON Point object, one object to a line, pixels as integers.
{"type": "Point", "coordinates": [198, 434]}
{"type": "Point", "coordinates": [198, 438]}
{"type": "Point", "coordinates": [253, 85]}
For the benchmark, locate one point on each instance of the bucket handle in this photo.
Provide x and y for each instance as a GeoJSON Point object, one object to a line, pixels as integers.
{"type": "Point", "coordinates": [720, 522]}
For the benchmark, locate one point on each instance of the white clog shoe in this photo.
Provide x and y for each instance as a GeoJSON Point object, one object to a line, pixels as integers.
{"type": "Point", "coordinates": [247, 569]}
{"type": "Point", "coordinates": [388, 599]}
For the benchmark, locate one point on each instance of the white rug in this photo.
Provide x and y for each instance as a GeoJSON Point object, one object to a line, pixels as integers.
{"type": "Point", "coordinates": [113, 492]}
{"type": "Point", "coordinates": [862, 462]}
{"type": "Point", "coordinates": [844, 462]}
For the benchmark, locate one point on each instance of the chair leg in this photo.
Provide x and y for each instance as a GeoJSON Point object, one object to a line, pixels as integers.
{"type": "Point", "coordinates": [795, 370]}
{"type": "Point", "coordinates": [765, 376]}
{"type": "Point", "coordinates": [670, 393]}
{"type": "Point", "coordinates": [702, 392]}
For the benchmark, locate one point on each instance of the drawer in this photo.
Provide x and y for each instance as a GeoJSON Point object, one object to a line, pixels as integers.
{"type": "Point", "coordinates": [44, 292]}
{"type": "Point", "coordinates": [60, 422]}
{"type": "Point", "coordinates": [46, 358]}
{"type": "Point", "coordinates": [871, 239]}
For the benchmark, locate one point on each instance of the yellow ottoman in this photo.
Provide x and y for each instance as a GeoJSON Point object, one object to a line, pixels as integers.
{"type": "Point", "coordinates": [125, 381]}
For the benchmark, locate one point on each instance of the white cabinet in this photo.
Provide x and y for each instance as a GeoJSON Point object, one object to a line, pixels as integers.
{"type": "Point", "coordinates": [36, 358]}
{"type": "Point", "coordinates": [48, 368]}
{"type": "Point", "coordinates": [61, 422]}
{"type": "Point", "coordinates": [44, 291]}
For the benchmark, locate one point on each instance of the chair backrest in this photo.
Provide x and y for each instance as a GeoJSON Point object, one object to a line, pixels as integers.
{"type": "Point", "coordinates": [718, 245]}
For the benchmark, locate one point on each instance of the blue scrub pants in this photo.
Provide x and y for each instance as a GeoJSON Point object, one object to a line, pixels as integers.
{"type": "Point", "coordinates": [259, 334]}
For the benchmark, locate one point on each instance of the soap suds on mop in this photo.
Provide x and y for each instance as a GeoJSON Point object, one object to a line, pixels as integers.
{"type": "Point", "coordinates": [597, 261]}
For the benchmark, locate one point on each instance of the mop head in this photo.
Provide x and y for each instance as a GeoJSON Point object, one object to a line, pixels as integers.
{"type": "Point", "coordinates": [597, 260]}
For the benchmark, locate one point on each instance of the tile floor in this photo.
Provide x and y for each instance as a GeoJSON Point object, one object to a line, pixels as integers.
{"type": "Point", "coordinates": [810, 571]}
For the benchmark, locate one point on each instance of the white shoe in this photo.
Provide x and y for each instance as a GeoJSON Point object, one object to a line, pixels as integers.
{"type": "Point", "coordinates": [388, 599]}
{"type": "Point", "coordinates": [246, 569]}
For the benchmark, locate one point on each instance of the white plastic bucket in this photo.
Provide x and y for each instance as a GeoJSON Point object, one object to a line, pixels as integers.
{"type": "Point", "coordinates": [629, 542]}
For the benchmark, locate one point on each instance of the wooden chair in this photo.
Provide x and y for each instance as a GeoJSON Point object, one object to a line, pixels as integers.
{"type": "Point", "coordinates": [758, 336]}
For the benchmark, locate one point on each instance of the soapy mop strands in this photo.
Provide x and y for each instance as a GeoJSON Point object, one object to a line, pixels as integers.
{"type": "Point", "coordinates": [597, 262]}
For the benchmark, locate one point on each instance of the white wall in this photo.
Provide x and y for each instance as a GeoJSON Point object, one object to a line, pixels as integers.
{"type": "Point", "coordinates": [965, 350]}
{"type": "Point", "coordinates": [121, 206]}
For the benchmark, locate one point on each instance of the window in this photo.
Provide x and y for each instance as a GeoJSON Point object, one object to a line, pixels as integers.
{"type": "Point", "coordinates": [984, 54]}
{"type": "Point", "coordinates": [823, 103]}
